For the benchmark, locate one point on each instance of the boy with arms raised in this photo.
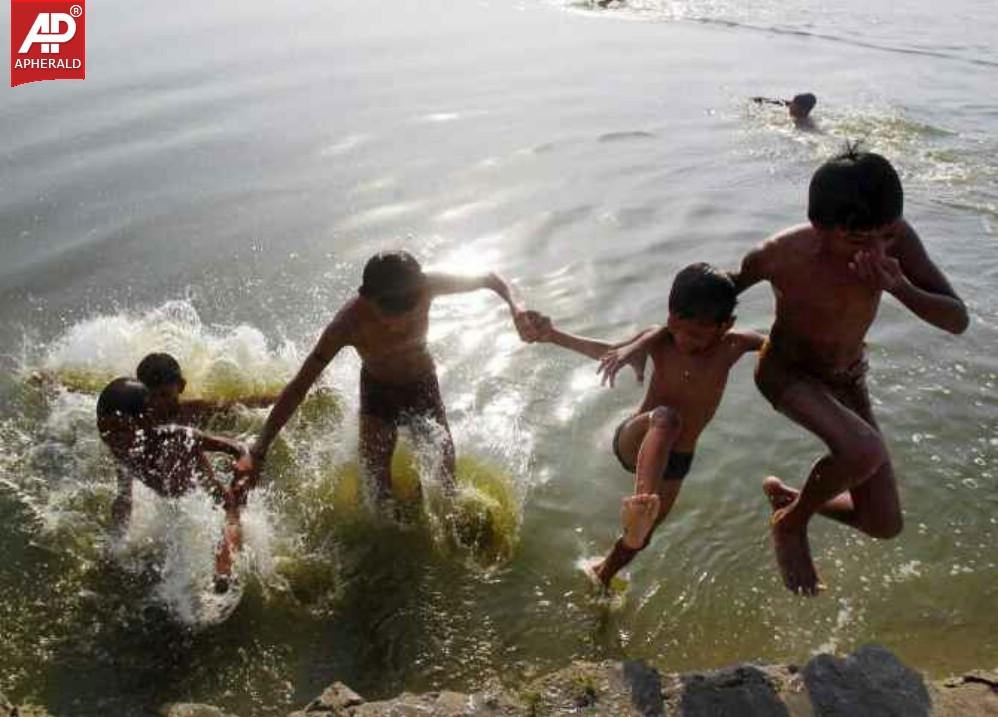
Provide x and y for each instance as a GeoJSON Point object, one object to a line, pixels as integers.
{"type": "Point", "coordinates": [828, 277]}
{"type": "Point", "coordinates": [386, 323]}
{"type": "Point", "coordinates": [168, 459]}
{"type": "Point", "coordinates": [691, 355]}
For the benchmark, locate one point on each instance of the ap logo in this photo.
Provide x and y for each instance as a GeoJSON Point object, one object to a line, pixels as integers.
{"type": "Point", "coordinates": [46, 31]}
{"type": "Point", "coordinates": [47, 41]}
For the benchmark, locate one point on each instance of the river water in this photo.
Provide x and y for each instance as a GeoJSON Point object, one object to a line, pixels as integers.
{"type": "Point", "coordinates": [214, 187]}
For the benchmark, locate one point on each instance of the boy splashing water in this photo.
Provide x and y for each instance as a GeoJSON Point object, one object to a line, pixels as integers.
{"type": "Point", "coordinates": [691, 355]}
{"type": "Point", "coordinates": [168, 459]}
{"type": "Point", "coordinates": [387, 323]}
{"type": "Point", "coordinates": [828, 277]}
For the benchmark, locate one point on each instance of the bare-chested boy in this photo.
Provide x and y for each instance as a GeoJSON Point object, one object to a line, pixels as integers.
{"type": "Point", "coordinates": [828, 277]}
{"type": "Point", "coordinates": [161, 374]}
{"type": "Point", "coordinates": [691, 355]}
{"type": "Point", "coordinates": [169, 459]}
{"type": "Point", "coordinates": [386, 323]}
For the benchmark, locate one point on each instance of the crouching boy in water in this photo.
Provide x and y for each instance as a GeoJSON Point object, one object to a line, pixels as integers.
{"type": "Point", "coordinates": [170, 460]}
{"type": "Point", "coordinates": [828, 277]}
{"type": "Point", "coordinates": [386, 323]}
{"type": "Point", "coordinates": [691, 355]}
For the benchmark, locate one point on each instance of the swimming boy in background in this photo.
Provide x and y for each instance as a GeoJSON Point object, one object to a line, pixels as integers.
{"type": "Point", "coordinates": [691, 355]}
{"type": "Point", "coordinates": [161, 374]}
{"type": "Point", "coordinates": [828, 277]}
{"type": "Point", "coordinates": [168, 459]}
{"type": "Point", "coordinates": [386, 323]}
{"type": "Point", "coordinates": [799, 108]}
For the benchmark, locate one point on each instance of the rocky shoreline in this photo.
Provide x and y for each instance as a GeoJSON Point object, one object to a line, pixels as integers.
{"type": "Point", "coordinates": [871, 682]}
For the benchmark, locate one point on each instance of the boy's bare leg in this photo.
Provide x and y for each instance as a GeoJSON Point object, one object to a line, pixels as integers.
{"type": "Point", "coordinates": [230, 544]}
{"type": "Point", "coordinates": [874, 506]}
{"type": "Point", "coordinates": [652, 497]}
{"type": "Point", "coordinates": [377, 444]}
{"type": "Point", "coordinates": [638, 515]}
{"type": "Point", "coordinates": [857, 455]}
{"type": "Point", "coordinates": [444, 442]}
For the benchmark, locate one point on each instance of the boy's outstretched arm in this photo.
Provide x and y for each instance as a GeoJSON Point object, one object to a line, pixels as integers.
{"type": "Point", "coordinates": [769, 101]}
{"type": "Point", "coordinates": [635, 350]}
{"type": "Point", "coordinates": [912, 277]}
{"type": "Point", "coordinates": [200, 410]}
{"type": "Point", "coordinates": [443, 284]}
{"type": "Point", "coordinates": [333, 339]}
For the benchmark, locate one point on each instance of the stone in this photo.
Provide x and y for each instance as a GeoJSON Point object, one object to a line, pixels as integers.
{"type": "Point", "coordinates": [972, 695]}
{"type": "Point", "coordinates": [743, 690]}
{"type": "Point", "coordinates": [871, 682]}
{"type": "Point", "coordinates": [645, 684]}
{"type": "Point", "coordinates": [191, 709]}
{"type": "Point", "coordinates": [442, 704]}
{"type": "Point", "coordinates": [607, 689]}
{"type": "Point", "coordinates": [335, 699]}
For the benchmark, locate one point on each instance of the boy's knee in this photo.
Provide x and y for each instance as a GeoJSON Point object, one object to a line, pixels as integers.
{"type": "Point", "coordinates": [866, 454]}
{"type": "Point", "coordinates": [887, 529]}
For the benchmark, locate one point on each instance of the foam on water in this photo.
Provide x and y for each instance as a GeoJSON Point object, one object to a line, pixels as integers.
{"type": "Point", "coordinates": [218, 362]}
{"type": "Point", "coordinates": [55, 466]}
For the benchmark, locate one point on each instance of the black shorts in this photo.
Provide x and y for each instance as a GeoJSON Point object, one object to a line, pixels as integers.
{"type": "Point", "coordinates": [676, 469]}
{"type": "Point", "coordinates": [399, 403]}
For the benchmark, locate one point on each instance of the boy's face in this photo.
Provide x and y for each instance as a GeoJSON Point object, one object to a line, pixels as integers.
{"type": "Point", "coordinates": [693, 336]}
{"type": "Point", "coordinates": [165, 399]}
{"type": "Point", "coordinates": [846, 243]}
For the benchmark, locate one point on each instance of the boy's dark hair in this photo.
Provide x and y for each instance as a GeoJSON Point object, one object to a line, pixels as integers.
{"type": "Point", "coordinates": [159, 369]}
{"type": "Point", "coordinates": [123, 397]}
{"type": "Point", "coordinates": [702, 292]}
{"type": "Point", "coordinates": [855, 191]}
{"type": "Point", "coordinates": [805, 101]}
{"type": "Point", "coordinates": [392, 280]}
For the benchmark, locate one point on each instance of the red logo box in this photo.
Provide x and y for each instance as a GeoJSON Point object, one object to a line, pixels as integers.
{"type": "Point", "coordinates": [47, 41]}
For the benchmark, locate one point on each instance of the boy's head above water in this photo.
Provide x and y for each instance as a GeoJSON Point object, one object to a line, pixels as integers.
{"type": "Point", "coordinates": [161, 374]}
{"type": "Point", "coordinates": [392, 280]}
{"type": "Point", "coordinates": [122, 409]}
{"type": "Point", "coordinates": [801, 105]}
{"type": "Point", "coordinates": [701, 307]}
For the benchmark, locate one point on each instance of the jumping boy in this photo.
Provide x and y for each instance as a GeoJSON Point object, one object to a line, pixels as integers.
{"type": "Point", "coordinates": [828, 277]}
{"type": "Point", "coordinates": [169, 459]}
{"type": "Point", "coordinates": [161, 374]}
{"type": "Point", "coordinates": [691, 355]}
{"type": "Point", "coordinates": [386, 323]}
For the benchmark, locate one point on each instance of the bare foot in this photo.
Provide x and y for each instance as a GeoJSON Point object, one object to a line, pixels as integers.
{"type": "Point", "coordinates": [779, 493]}
{"type": "Point", "coordinates": [793, 555]}
{"type": "Point", "coordinates": [638, 515]}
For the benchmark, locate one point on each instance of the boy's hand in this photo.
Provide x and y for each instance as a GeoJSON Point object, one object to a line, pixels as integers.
{"type": "Point", "coordinates": [246, 472]}
{"type": "Point", "coordinates": [876, 268]}
{"type": "Point", "coordinates": [531, 325]}
{"type": "Point", "coordinates": [633, 355]}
